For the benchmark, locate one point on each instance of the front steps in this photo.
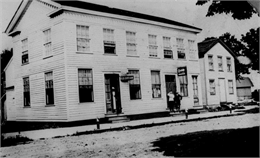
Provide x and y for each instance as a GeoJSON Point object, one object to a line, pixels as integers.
{"type": "Point", "coordinates": [117, 118]}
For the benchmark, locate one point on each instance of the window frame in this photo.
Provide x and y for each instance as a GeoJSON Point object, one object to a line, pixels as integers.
{"type": "Point", "coordinates": [131, 48]}
{"type": "Point", "coordinates": [167, 49]}
{"type": "Point", "coordinates": [211, 62]}
{"type": "Point", "coordinates": [230, 87]}
{"type": "Point", "coordinates": [229, 63]}
{"type": "Point", "coordinates": [195, 85]}
{"type": "Point", "coordinates": [49, 89]}
{"type": "Point", "coordinates": [152, 44]}
{"type": "Point", "coordinates": [183, 81]}
{"type": "Point", "coordinates": [109, 41]}
{"type": "Point", "coordinates": [131, 85]}
{"type": "Point", "coordinates": [47, 43]}
{"type": "Point", "coordinates": [82, 37]}
{"type": "Point", "coordinates": [180, 48]}
{"type": "Point", "coordinates": [220, 64]}
{"type": "Point", "coordinates": [92, 86]}
{"type": "Point", "coordinates": [26, 93]}
{"type": "Point", "coordinates": [213, 88]}
{"type": "Point", "coordinates": [25, 51]}
{"type": "Point", "coordinates": [156, 85]}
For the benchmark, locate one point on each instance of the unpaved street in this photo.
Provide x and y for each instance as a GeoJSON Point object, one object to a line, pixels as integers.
{"type": "Point", "coordinates": [127, 143]}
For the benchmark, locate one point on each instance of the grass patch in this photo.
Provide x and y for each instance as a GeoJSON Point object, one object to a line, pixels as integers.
{"type": "Point", "coordinates": [217, 143]}
{"type": "Point", "coordinates": [16, 140]}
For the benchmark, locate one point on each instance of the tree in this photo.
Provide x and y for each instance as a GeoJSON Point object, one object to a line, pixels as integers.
{"type": "Point", "coordinates": [251, 49]}
{"type": "Point", "coordinates": [239, 10]}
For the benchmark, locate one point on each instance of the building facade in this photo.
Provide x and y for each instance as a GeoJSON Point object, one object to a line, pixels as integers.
{"type": "Point", "coordinates": [79, 61]}
{"type": "Point", "coordinates": [217, 73]}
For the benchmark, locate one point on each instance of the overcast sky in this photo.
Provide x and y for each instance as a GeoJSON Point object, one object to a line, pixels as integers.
{"type": "Point", "coordinates": [178, 10]}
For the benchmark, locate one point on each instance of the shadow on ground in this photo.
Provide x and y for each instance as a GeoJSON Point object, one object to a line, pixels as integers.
{"type": "Point", "coordinates": [218, 143]}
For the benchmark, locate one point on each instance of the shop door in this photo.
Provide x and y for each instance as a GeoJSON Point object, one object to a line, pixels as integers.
{"type": "Point", "coordinates": [170, 83]}
{"type": "Point", "coordinates": [112, 90]}
{"type": "Point", "coordinates": [222, 90]}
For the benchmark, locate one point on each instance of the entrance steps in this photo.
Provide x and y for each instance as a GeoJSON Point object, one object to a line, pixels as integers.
{"type": "Point", "coordinates": [117, 118]}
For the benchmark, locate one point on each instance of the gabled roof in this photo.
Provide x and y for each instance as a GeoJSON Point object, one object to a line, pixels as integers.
{"type": "Point", "coordinates": [244, 82]}
{"type": "Point", "coordinates": [60, 6]}
{"type": "Point", "coordinates": [105, 9]}
{"type": "Point", "coordinates": [205, 46]}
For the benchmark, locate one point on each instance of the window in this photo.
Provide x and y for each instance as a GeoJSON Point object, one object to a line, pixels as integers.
{"type": "Point", "coordinates": [156, 84]}
{"type": "Point", "coordinates": [131, 43]}
{"type": "Point", "coordinates": [220, 63]}
{"type": "Point", "coordinates": [192, 49]}
{"type": "Point", "coordinates": [25, 56]}
{"type": "Point", "coordinates": [134, 85]}
{"type": "Point", "coordinates": [83, 38]}
{"type": "Point", "coordinates": [26, 92]}
{"type": "Point", "coordinates": [152, 46]}
{"type": "Point", "coordinates": [85, 85]}
{"type": "Point", "coordinates": [109, 43]}
{"type": "Point", "coordinates": [212, 87]}
{"type": "Point", "coordinates": [210, 59]}
{"type": "Point", "coordinates": [47, 42]}
{"type": "Point", "coordinates": [195, 85]}
{"type": "Point", "coordinates": [229, 67]}
{"type": "Point", "coordinates": [183, 85]}
{"type": "Point", "coordinates": [167, 50]}
{"type": "Point", "coordinates": [180, 49]}
{"type": "Point", "coordinates": [49, 88]}
{"type": "Point", "coordinates": [230, 87]}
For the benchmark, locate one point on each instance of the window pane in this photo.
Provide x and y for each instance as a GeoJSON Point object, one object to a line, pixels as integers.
{"type": "Point", "coordinates": [85, 85]}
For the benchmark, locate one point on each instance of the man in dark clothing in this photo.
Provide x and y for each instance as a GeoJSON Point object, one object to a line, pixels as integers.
{"type": "Point", "coordinates": [177, 101]}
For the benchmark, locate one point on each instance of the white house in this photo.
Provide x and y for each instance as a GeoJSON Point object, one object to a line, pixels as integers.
{"type": "Point", "coordinates": [217, 73]}
{"type": "Point", "coordinates": [79, 61]}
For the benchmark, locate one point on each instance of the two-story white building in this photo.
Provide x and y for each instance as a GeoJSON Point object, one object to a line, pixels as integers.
{"type": "Point", "coordinates": [79, 61]}
{"type": "Point", "coordinates": [217, 73]}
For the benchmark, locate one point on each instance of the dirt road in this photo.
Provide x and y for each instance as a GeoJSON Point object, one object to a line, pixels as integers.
{"type": "Point", "coordinates": [127, 143]}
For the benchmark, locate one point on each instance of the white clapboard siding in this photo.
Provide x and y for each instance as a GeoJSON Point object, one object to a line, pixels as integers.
{"type": "Point", "coordinates": [32, 25]}
{"type": "Point", "coordinates": [218, 50]}
{"type": "Point", "coordinates": [120, 63]}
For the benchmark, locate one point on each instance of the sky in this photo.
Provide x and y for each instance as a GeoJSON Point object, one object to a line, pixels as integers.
{"type": "Point", "coordinates": [184, 11]}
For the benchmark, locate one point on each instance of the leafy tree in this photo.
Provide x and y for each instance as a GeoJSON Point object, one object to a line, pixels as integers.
{"type": "Point", "coordinates": [239, 10]}
{"type": "Point", "coordinates": [251, 49]}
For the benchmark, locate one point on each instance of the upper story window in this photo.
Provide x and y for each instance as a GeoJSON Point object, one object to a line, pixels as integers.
{"type": "Point", "coordinates": [83, 38]}
{"type": "Point", "coordinates": [131, 43]}
{"type": "Point", "coordinates": [47, 42]}
{"type": "Point", "coordinates": [229, 66]}
{"type": "Point", "coordinates": [156, 84]}
{"type": "Point", "coordinates": [180, 48]}
{"type": "Point", "coordinates": [25, 55]}
{"type": "Point", "coordinates": [152, 46]}
{"type": "Point", "coordinates": [134, 85]}
{"type": "Point", "coordinates": [109, 42]}
{"type": "Point", "coordinates": [26, 92]}
{"type": "Point", "coordinates": [192, 49]}
{"type": "Point", "coordinates": [210, 60]}
{"type": "Point", "coordinates": [167, 50]}
{"type": "Point", "coordinates": [220, 63]}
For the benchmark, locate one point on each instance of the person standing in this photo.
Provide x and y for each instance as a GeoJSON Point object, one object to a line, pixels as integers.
{"type": "Point", "coordinates": [177, 101]}
{"type": "Point", "coordinates": [171, 100]}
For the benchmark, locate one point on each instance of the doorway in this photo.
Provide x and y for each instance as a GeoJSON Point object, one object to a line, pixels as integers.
{"type": "Point", "coordinates": [170, 83]}
{"type": "Point", "coordinates": [222, 90]}
{"type": "Point", "coordinates": [195, 90]}
{"type": "Point", "coordinates": [112, 90]}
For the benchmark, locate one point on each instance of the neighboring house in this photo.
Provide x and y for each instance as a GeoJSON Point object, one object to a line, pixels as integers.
{"type": "Point", "coordinates": [244, 88]}
{"type": "Point", "coordinates": [79, 61]}
{"type": "Point", "coordinates": [217, 73]}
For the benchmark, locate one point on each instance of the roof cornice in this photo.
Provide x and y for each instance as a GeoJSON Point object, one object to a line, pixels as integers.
{"type": "Point", "coordinates": [121, 17]}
